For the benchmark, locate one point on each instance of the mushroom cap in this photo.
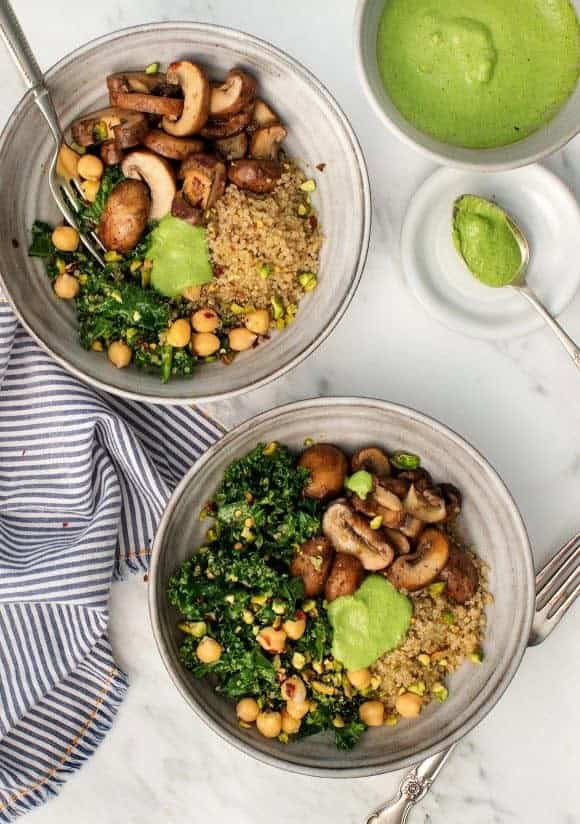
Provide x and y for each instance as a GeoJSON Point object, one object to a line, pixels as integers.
{"type": "Point", "coordinates": [204, 180]}
{"type": "Point", "coordinates": [82, 129]}
{"type": "Point", "coordinates": [158, 174]}
{"type": "Point", "coordinates": [345, 576]}
{"type": "Point", "coordinates": [196, 93]}
{"type": "Point", "coordinates": [373, 460]}
{"type": "Point", "coordinates": [260, 176]}
{"type": "Point", "coordinates": [327, 466]}
{"type": "Point", "coordinates": [421, 568]}
{"type": "Point", "coordinates": [312, 562]}
{"type": "Point", "coordinates": [125, 216]}
{"type": "Point", "coordinates": [174, 148]}
{"type": "Point", "coordinates": [461, 576]}
{"type": "Point", "coordinates": [263, 115]}
{"type": "Point", "coordinates": [135, 82]}
{"type": "Point", "coordinates": [219, 128]}
{"type": "Point", "coordinates": [233, 148]}
{"type": "Point", "coordinates": [150, 103]}
{"type": "Point", "coordinates": [232, 95]}
{"type": "Point", "coordinates": [427, 505]}
{"type": "Point", "coordinates": [266, 141]}
{"type": "Point", "coordinates": [350, 533]}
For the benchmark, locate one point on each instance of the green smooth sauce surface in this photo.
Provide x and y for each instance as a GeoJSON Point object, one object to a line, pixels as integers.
{"type": "Point", "coordinates": [485, 241]}
{"type": "Point", "coordinates": [180, 256]}
{"type": "Point", "coordinates": [479, 73]}
{"type": "Point", "coordinates": [369, 623]}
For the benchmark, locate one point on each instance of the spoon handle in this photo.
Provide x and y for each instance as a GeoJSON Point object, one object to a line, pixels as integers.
{"type": "Point", "coordinates": [565, 339]}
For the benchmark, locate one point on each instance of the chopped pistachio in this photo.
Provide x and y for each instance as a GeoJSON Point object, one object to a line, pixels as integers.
{"type": "Point", "coordinates": [376, 522]}
{"type": "Point", "coordinates": [247, 616]}
{"type": "Point", "coordinates": [78, 149]}
{"type": "Point", "coordinates": [255, 630]}
{"type": "Point", "coordinates": [442, 663]}
{"type": "Point", "coordinates": [424, 659]}
{"type": "Point", "coordinates": [229, 599]}
{"type": "Point", "coordinates": [248, 535]}
{"type": "Point", "coordinates": [317, 667]}
{"type": "Point", "coordinates": [270, 448]}
{"type": "Point", "coordinates": [259, 600]}
{"type": "Point", "coordinates": [196, 628]}
{"type": "Point", "coordinates": [283, 738]}
{"type": "Point", "coordinates": [60, 265]}
{"type": "Point", "coordinates": [265, 270]}
{"type": "Point", "coordinates": [309, 605]}
{"type": "Point", "coordinates": [100, 131]}
{"type": "Point", "coordinates": [117, 296]}
{"type": "Point", "coordinates": [97, 346]}
{"type": "Point", "coordinates": [152, 68]}
{"type": "Point", "coordinates": [391, 720]}
{"type": "Point", "coordinates": [82, 279]}
{"type": "Point", "coordinates": [304, 210]}
{"type": "Point", "coordinates": [298, 660]}
{"type": "Point", "coordinates": [322, 689]}
{"type": "Point", "coordinates": [145, 277]}
{"type": "Point", "coordinates": [338, 722]}
{"type": "Point", "coordinates": [280, 324]}
{"type": "Point", "coordinates": [375, 682]}
{"type": "Point", "coordinates": [308, 185]}
{"type": "Point", "coordinates": [440, 692]}
{"type": "Point", "coordinates": [476, 657]}
{"type": "Point", "coordinates": [136, 316]}
{"type": "Point", "coordinates": [135, 265]}
{"type": "Point", "coordinates": [405, 460]}
{"type": "Point", "coordinates": [278, 607]}
{"type": "Point", "coordinates": [437, 589]}
{"type": "Point", "coordinates": [307, 280]}
{"type": "Point", "coordinates": [277, 307]}
{"type": "Point", "coordinates": [249, 522]}
{"type": "Point", "coordinates": [236, 309]}
{"type": "Point", "coordinates": [113, 257]}
{"type": "Point", "coordinates": [308, 441]}
{"type": "Point", "coordinates": [244, 725]}
{"type": "Point", "coordinates": [417, 688]}
{"type": "Point", "coordinates": [448, 617]}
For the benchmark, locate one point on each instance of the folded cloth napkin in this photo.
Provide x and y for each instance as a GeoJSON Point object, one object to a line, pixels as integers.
{"type": "Point", "coordinates": [84, 478]}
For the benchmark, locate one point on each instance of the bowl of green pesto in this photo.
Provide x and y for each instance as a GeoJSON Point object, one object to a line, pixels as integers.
{"type": "Point", "coordinates": [473, 83]}
{"type": "Point", "coordinates": [341, 587]}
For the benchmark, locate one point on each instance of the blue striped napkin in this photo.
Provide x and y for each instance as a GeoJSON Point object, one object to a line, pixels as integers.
{"type": "Point", "coordinates": [84, 478]}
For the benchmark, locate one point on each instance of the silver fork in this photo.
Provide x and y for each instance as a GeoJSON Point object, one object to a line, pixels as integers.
{"type": "Point", "coordinates": [557, 587]}
{"type": "Point", "coordinates": [65, 194]}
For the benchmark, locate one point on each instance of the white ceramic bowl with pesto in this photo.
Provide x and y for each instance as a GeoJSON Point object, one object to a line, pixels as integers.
{"type": "Point", "coordinates": [490, 520]}
{"type": "Point", "coordinates": [318, 132]}
{"type": "Point", "coordinates": [548, 139]}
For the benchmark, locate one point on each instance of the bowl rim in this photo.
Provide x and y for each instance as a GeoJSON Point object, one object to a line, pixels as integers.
{"type": "Point", "coordinates": [279, 761]}
{"type": "Point", "coordinates": [432, 154]}
{"type": "Point", "coordinates": [365, 215]}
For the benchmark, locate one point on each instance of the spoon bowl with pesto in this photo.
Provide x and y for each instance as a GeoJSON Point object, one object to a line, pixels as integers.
{"type": "Point", "coordinates": [479, 84]}
{"type": "Point", "coordinates": [497, 253]}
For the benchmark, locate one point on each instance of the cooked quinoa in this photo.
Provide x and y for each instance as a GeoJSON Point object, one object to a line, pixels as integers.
{"type": "Point", "coordinates": [441, 637]}
{"type": "Point", "coordinates": [261, 244]}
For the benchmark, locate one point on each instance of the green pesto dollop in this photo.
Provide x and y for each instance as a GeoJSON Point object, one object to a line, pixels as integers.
{"type": "Point", "coordinates": [180, 256]}
{"type": "Point", "coordinates": [369, 623]}
{"type": "Point", "coordinates": [483, 237]}
{"type": "Point", "coordinates": [479, 73]}
{"type": "Point", "coordinates": [361, 483]}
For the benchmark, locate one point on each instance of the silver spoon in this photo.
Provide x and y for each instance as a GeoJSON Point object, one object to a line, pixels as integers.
{"type": "Point", "coordinates": [520, 285]}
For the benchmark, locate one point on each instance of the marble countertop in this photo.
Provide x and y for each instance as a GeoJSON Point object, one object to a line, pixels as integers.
{"type": "Point", "coordinates": [517, 401]}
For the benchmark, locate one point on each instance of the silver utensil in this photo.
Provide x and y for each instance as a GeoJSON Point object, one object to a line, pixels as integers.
{"type": "Point", "coordinates": [65, 196]}
{"type": "Point", "coordinates": [520, 285]}
{"type": "Point", "coordinates": [557, 587]}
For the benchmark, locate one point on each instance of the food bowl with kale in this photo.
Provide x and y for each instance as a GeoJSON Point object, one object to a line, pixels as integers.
{"type": "Point", "coordinates": [221, 180]}
{"type": "Point", "coordinates": [341, 587]}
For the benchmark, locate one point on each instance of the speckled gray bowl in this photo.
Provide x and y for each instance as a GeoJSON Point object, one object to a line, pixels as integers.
{"type": "Point", "coordinates": [318, 132]}
{"type": "Point", "coordinates": [490, 519]}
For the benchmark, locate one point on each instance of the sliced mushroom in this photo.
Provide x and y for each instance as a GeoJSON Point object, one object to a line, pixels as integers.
{"type": "Point", "coordinates": [174, 148]}
{"type": "Point", "coordinates": [345, 576]}
{"type": "Point", "coordinates": [96, 127]}
{"type": "Point", "coordinates": [131, 131]}
{"type": "Point", "coordinates": [411, 527]}
{"type": "Point", "coordinates": [396, 486]}
{"type": "Point", "coordinates": [420, 477]}
{"type": "Point", "coordinates": [421, 568]}
{"type": "Point", "coordinates": [157, 174]}
{"type": "Point", "coordinates": [140, 82]}
{"type": "Point", "coordinates": [182, 209]}
{"type": "Point", "coordinates": [453, 500]}
{"type": "Point", "coordinates": [312, 562]}
{"type": "Point", "coordinates": [263, 115]}
{"type": "Point", "coordinates": [327, 466]}
{"type": "Point", "coordinates": [169, 107]}
{"type": "Point", "coordinates": [110, 153]}
{"type": "Point", "coordinates": [233, 148]}
{"type": "Point", "coordinates": [380, 503]}
{"type": "Point", "coordinates": [217, 129]}
{"type": "Point", "coordinates": [266, 141]}
{"type": "Point", "coordinates": [125, 216]}
{"type": "Point", "coordinates": [196, 92]}
{"type": "Point", "coordinates": [237, 90]}
{"type": "Point", "coordinates": [373, 460]}
{"type": "Point", "coordinates": [260, 176]}
{"type": "Point", "coordinates": [461, 576]}
{"type": "Point", "coordinates": [352, 534]}
{"type": "Point", "coordinates": [386, 498]}
{"type": "Point", "coordinates": [204, 180]}
{"type": "Point", "coordinates": [401, 543]}
{"type": "Point", "coordinates": [427, 505]}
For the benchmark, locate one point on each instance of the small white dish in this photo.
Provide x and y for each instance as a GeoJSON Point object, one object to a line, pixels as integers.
{"type": "Point", "coordinates": [549, 216]}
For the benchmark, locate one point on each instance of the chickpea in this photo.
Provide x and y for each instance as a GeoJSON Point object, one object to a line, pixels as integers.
{"type": "Point", "coordinates": [179, 333]}
{"type": "Point", "coordinates": [372, 713]}
{"type": "Point", "coordinates": [205, 320]}
{"type": "Point", "coordinates": [295, 629]}
{"type": "Point", "coordinates": [247, 710]}
{"type": "Point", "coordinates": [205, 344]}
{"type": "Point", "coordinates": [66, 286]}
{"type": "Point", "coordinates": [297, 709]}
{"type": "Point", "coordinates": [119, 354]}
{"type": "Point", "coordinates": [208, 651]}
{"type": "Point", "coordinates": [294, 689]}
{"type": "Point", "coordinates": [258, 322]}
{"type": "Point", "coordinates": [269, 723]}
{"type": "Point", "coordinates": [408, 705]}
{"type": "Point", "coordinates": [90, 167]}
{"type": "Point", "coordinates": [66, 238]}
{"type": "Point", "coordinates": [241, 339]}
{"type": "Point", "coordinates": [90, 189]}
{"type": "Point", "coordinates": [289, 724]}
{"type": "Point", "coordinates": [360, 679]}
{"type": "Point", "coordinates": [191, 293]}
{"type": "Point", "coordinates": [272, 640]}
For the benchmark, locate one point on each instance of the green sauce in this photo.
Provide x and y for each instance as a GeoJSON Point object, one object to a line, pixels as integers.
{"type": "Point", "coordinates": [180, 256]}
{"type": "Point", "coordinates": [369, 623]}
{"type": "Point", "coordinates": [485, 241]}
{"type": "Point", "coordinates": [479, 73]}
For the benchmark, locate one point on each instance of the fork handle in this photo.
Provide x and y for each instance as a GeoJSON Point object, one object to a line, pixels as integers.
{"type": "Point", "coordinates": [24, 59]}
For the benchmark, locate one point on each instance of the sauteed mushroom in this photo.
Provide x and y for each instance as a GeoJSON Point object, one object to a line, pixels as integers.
{"type": "Point", "coordinates": [196, 94]}
{"type": "Point", "coordinates": [174, 148]}
{"type": "Point", "coordinates": [426, 505]}
{"type": "Point", "coordinates": [327, 466]}
{"type": "Point", "coordinates": [453, 500]}
{"type": "Point", "coordinates": [135, 82]}
{"type": "Point", "coordinates": [460, 574]}
{"type": "Point", "coordinates": [217, 128]}
{"type": "Point", "coordinates": [237, 90]}
{"type": "Point", "coordinates": [373, 460]}
{"type": "Point", "coordinates": [345, 576]}
{"type": "Point", "coordinates": [233, 148]}
{"type": "Point", "coordinates": [157, 174]}
{"type": "Point", "coordinates": [312, 563]}
{"type": "Point", "coordinates": [350, 533]}
{"type": "Point", "coordinates": [125, 216]}
{"type": "Point", "coordinates": [204, 180]}
{"type": "Point", "coordinates": [266, 141]}
{"type": "Point", "coordinates": [417, 570]}
{"type": "Point", "coordinates": [263, 114]}
{"type": "Point", "coordinates": [260, 176]}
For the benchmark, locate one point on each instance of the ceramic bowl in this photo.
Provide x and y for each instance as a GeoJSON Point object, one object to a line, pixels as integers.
{"type": "Point", "coordinates": [542, 143]}
{"type": "Point", "coordinates": [490, 519]}
{"type": "Point", "coordinates": [318, 132]}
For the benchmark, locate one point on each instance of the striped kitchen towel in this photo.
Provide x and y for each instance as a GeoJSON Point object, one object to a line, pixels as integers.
{"type": "Point", "coordinates": [84, 478]}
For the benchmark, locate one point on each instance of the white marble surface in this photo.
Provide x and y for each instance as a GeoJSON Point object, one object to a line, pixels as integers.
{"type": "Point", "coordinates": [518, 402]}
